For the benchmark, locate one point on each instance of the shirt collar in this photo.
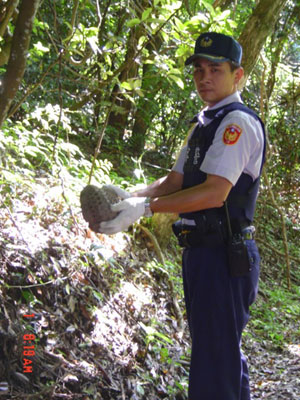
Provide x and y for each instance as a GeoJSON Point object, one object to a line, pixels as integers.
{"type": "Point", "coordinates": [234, 97]}
{"type": "Point", "coordinates": [203, 120]}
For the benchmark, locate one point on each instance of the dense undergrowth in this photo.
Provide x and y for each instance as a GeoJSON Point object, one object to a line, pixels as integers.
{"type": "Point", "coordinates": [107, 313]}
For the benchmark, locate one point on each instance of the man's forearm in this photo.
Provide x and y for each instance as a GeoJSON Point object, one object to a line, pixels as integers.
{"type": "Point", "coordinates": [210, 194]}
{"type": "Point", "coordinates": [167, 185]}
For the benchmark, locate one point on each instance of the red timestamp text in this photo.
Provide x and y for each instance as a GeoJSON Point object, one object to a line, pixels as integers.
{"type": "Point", "coordinates": [28, 349]}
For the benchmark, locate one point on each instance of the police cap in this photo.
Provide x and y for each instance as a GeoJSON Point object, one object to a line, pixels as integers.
{"type": "Point", "coordinates": [217, 47]}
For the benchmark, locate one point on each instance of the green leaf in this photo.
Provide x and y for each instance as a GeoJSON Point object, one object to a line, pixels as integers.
{"type": "Point", "coordinates": [133, 22]}
{"type": "Point", "coordinates": [146, 13]}
{"type": "Point", "coordinates": [164, 354]}
{"type": "Point", "coordinates": [126, 85]}
{"type": "Point", "coordinates": [140, 389]}
{"type": "Point", "coordinates": [98, 295]}
{"type": "Point", "coordinates": [67, 287]}
{"type": "Point", "coordinates": [40, 48]}
{"type": "Point", "coordinates": [137, 83]}
{"type": "Point", "coordinates": [33, 151]}
{"type": "Point", "coordinates": [130, 98]}
{"type": "Point", "coordinates": [140, 92]}
{"type": "Point", "coordinates": [209, 7]}
{"type": "Point", "coordinates": [142, 40]}
{"type": "Point", "coordinates": [132, 84]}
{"type": "Point", "coordinates": [175, 71]}
{"type": "Point", "coordinates": [177, 80]}
{"type": "Point", "coordinates": [163, 337]}
{"type": "Point", "coordinates": [93, 42]}
{"type": "Point", "coordinates": [183, 50]}
{"type": "Point", "coordinates": [10, 177]}
{"type": "Point", "coordinates": [70, 148]}
{"type": "Point", "coordinates": [221, 17]}
{"type": "Point", "coordinates": [175, 5]}
{"type": "Point", "coordinates": [148, 61]}
{"type": "Point", "coordinates": [28, 296]}
{"type": "Point", "coordinates": [179, 24]}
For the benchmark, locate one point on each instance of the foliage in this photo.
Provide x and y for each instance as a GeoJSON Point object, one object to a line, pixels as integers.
{"type": "Point", "coordinates": [278, 321]}
{"type": "Point", "coordinates": [39, 152]}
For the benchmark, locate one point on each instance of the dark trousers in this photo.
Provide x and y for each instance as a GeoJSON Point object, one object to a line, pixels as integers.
{"type": "Point", "coordinates": [218, 310]}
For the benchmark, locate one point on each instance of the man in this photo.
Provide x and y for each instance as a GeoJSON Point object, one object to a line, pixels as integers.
{"type": "Point", "coordinates": [213, 186]}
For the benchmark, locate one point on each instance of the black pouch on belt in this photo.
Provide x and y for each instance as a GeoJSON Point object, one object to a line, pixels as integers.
{"type": "Point", "coordinates": [238, 257]}
{"type": "Point", "coordinates": [237, 252]}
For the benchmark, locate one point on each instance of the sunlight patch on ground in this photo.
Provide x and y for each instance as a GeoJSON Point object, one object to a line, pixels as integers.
{"type": "Point", "coordinates": [294, 349]}
{"type": "Point", "coordinates": [39, 219]}
{"type": "Point", "coordinates": [112, 329]}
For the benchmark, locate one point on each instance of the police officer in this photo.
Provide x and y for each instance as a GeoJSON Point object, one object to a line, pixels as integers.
{"type": "Point", "coordinates": [213, 186]}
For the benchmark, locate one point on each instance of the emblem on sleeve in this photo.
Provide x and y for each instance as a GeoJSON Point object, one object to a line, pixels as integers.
{"type": "Point", "coordinates": [231, 134]}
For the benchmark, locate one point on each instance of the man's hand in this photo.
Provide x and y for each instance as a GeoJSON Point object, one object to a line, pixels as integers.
{"type": "Point", "coordinates": [130, 210]}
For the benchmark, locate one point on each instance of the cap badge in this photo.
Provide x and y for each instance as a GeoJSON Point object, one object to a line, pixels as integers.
{"type": "Point", "coordinates": [206, 42]}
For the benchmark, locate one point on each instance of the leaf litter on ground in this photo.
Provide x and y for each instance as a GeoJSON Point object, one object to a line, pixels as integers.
{"type": "Point", "coordinates": [104, 318]}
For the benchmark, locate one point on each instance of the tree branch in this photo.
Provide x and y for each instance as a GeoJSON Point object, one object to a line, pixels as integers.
{"type": "Point", "coordinates": [283, 226]}
{"type": "Point", "coordinates": [274, 250]}
{"type": "Point", "coordinates": [32, 89]}
{"type": "Point", "coordinates": [10, 8]}
{"type": "Point", "coordinates": [257, 29]}
{"type": "Point", "coordinates": [101, 138]}
{"type": "Point", "coordinates": [127, 64]}
{"type": "Point", "coordinates": [18, 55]}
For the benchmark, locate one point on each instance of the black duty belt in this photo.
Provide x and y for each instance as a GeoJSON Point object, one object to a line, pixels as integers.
{"type": "Point", "coordinates": [191, 237]}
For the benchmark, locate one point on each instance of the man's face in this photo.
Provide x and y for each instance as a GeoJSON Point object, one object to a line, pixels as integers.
{"type": "Point", "coordinates": [215, 81]}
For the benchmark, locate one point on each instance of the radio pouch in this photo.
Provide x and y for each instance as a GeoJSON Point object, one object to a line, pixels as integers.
{"type": "Point", "coordinates": [238, 257]}
{"type": "Point", "coordinates": [237, 252]}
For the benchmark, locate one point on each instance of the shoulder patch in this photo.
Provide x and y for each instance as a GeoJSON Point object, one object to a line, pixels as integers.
{"type": "Point", "coordinates": [232, 134]}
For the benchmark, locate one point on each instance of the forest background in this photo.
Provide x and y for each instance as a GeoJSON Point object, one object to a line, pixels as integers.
{"type": "Point", "coordinates": [97, 92]}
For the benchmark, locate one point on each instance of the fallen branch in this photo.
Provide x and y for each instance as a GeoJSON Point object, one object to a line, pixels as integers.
{"type": "Point", "coordinates": [155, 243]}
{"type": "Point", "coordinates": [79, 229]}
{"type": "Point", "coordinates": [18, 229]}
{"type": "Point", "coordinates": [35, 284]}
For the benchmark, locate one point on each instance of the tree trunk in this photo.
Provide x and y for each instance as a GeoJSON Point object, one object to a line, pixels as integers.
{"type": "Point", "coordinates": [145, 111]}
{"type": "Point", "coordinates": [17, 60]}
{"type": "Point", "coordinates": [6, 12]}
{"type": "Point", "coordinates": [278, 43]}
{"type": "Point", "coordinates": [118, 118]}
{"type": "Point", "coordinates": [257, 29]}
{"type": "Point", "coordinates": [222, 3]}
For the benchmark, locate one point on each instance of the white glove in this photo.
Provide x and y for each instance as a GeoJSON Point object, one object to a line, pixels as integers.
{"type": "Point", "coordinates": [123, 194]}
{"type": "Point", "coordinates": [130, 210]}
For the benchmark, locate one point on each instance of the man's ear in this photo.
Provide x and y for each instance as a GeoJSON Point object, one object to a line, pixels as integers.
{"type": "Point", "coordinates": [239, 73]}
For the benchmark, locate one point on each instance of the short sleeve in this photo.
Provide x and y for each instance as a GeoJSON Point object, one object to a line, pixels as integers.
{"type": "Point", "coordinates": [237, 147]}
{"type": "Point", "coordinates": [179, 164]}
